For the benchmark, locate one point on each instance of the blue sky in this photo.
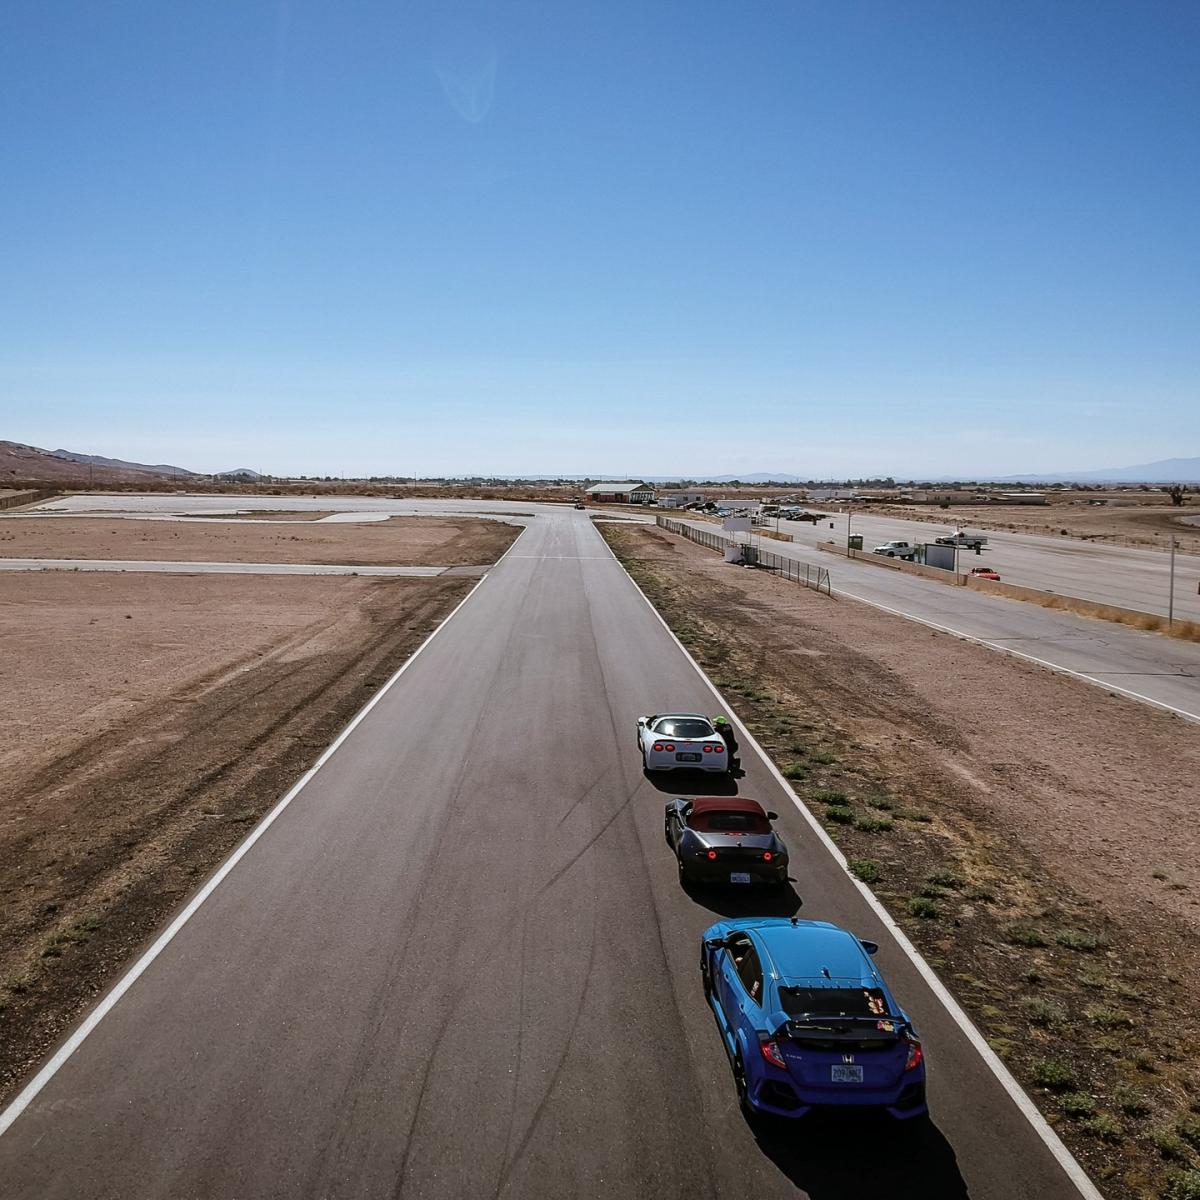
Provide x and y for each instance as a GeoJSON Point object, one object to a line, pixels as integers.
{"type": "Point", "coordinates": [829, 238]}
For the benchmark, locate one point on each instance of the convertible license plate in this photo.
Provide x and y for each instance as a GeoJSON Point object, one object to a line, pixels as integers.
{"type": "Point", "coordinates": [739, 877]}
{"type": "Point", "coordinates": [687, 758]}
{"type": "Point", "coordinates": [847, 1074]}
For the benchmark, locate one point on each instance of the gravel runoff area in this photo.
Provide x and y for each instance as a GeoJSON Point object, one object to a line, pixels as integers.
{"type": "Point", "coordinates": [147, 722]}
{"type": "Point", "coordinates": [1035, 837]}
{"type": "Point", "coordinates": [399, 541]}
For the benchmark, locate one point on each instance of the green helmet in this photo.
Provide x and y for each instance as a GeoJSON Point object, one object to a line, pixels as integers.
{"type": "Point", "coordinates": [720, 721]}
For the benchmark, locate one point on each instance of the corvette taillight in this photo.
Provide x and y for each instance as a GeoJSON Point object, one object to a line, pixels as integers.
{"type": "Point", "coordinates": [718, 749]}
{"type": "Point", "coordinates": [658, 745]}
{"type": "Point", "coordinates": [767, 856]}
{"type": "Point", "coordinates": [771, 1052]}
{"type": "Point", "coordinates": [915, 1054]}
{"type": "Point", "coordinates": [669, 747]}
{"type": "Point", "coordinates": [707, 749]}
{"type": "Point", "coordinates": [712, 854]}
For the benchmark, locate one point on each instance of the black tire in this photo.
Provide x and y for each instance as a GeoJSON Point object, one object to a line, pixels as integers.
{"type": "Point", "coordinates": [741, 1087]}
{"type": "Point", "coordinates": [705, 982]}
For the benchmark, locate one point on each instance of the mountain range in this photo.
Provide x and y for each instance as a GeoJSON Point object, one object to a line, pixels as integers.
{"type": "Point", "coordinates": [1167, 470]}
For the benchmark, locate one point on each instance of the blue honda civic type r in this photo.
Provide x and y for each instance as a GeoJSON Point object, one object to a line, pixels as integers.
{"type": "Point", "coordinates": [808, 1021]}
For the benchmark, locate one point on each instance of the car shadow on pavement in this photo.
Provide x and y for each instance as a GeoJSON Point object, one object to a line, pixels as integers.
{"type": "Point", "coordinates": [693, 783]}
{"type": "Point", "coordinates": [746, 901]}
{"type": "Point", "coordinates": [851, 1156]}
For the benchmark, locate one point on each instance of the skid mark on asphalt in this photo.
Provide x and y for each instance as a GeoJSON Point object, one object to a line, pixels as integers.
{"type": "Point", "coordinates": [448, 1020]}
{"type": "Point", "coordinates": [679, 1025]}
{"type": "Point", "coordinates": [516, 1156]}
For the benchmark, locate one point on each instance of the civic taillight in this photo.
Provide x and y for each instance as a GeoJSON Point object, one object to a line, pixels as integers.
{"type": "Point", "coordinates": [771, 1052]}
{"type": "Point", "coordinates": [916, 1055]}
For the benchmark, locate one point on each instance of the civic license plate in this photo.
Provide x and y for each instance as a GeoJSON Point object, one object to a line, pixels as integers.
{"type": "Point", "coordinates": [687, 758]}
{"type": "Point", "coordinates": [739, 877]}
{"type": "Point", "coordinates": [847, 1074]}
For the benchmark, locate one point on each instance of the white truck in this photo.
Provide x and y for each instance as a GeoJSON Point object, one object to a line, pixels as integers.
{"type": "Point", "coordinates": [962, 539]}
{"type": "Point", "coordinates": [905, 550]}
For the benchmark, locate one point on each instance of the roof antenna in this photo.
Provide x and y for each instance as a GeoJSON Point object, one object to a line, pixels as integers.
{"type": "Point", "coordinates": [825, 972]}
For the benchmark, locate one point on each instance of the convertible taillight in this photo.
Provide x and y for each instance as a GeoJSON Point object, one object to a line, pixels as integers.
{"type": "Point", "coordinates": [771, 1052]}
{"type": "Point", "coordinates": [915, 1054]}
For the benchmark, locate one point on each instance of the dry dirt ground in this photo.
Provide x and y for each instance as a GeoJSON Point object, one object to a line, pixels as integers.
{"type": "Point", "coordinates": [1036, 837]}
{"type": "Point", "coordinates": [146, 722]}
{"type": "Point", "coordinates": [400, 541]}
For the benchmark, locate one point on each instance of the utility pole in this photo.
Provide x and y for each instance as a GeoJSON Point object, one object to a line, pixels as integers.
{"type": "Point", "coordinates": [1171, 593]}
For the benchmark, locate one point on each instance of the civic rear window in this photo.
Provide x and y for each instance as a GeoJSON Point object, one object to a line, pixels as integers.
{"type": "Point", "coordinates": [833, 1002]}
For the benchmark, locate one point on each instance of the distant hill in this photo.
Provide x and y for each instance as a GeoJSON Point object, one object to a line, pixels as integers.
{"type": "Point", "coordinates": [239, 473]}
{"type": "Point", "coordinates": [120, 464]}
{"type": "Point", "coordinates": [31, 464]}
{"type": "Point", "coordinates": [1167, 470]}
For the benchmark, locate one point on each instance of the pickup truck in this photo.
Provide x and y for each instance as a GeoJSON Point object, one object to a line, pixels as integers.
{"type": "Point", "coordinates": [962, 539]}
{"type": "Point", "coordinates": [896, 550]}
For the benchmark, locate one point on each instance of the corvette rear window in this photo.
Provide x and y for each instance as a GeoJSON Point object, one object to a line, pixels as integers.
{"type": "Point", "coordinates": [684, 729]}
{"type": "Point", "coordinates": [729, 822]}
{"type": "Point", "coordinates": [833, 1002]}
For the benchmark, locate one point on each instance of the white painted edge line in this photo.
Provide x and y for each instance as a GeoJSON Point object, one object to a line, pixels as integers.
{"type": "Point", "coordinates": [1016, 1093]}
{"type": "Point", "coordinates": [29, 1092]}
{"type": "Point", "coordinates": [1095, 680]}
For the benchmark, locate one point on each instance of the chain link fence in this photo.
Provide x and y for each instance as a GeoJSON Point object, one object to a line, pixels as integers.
{"type": "Point", "coordinates": [810, 576]}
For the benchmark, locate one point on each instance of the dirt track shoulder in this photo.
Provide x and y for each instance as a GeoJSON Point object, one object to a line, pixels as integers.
{"type": "Point", "coordinates": [400, 541]}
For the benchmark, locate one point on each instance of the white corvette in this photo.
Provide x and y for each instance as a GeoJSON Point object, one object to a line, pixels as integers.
{"type": "Point", "coordinates": [681, 742]}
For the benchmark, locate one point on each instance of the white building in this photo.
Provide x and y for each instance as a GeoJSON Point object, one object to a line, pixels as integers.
{"type": "Point", "coordinates": [679, 499]}
{"type": "Point", "coordinates": [629, 492]}
{"type": "Point", "coordinates": [825, 494]}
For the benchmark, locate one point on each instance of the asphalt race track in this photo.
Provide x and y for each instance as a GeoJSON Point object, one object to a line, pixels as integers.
{"type": "Point", "coordinates": [459, 963]}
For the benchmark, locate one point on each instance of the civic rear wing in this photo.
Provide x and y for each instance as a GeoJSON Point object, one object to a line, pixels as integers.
{"type": "Point", "coordinates": [810, 1024]}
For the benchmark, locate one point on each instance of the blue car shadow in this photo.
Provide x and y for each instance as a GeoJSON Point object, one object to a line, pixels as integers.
{"type": "Point", "coordinates": [833, 1156]}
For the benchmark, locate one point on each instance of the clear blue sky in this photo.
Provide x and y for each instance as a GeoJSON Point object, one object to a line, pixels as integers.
{"type": "Point", "coordinates": [611, 236]}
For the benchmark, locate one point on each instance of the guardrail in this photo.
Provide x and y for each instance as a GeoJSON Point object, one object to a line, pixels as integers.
{"type": "Point", "coordinates": [809, 576]}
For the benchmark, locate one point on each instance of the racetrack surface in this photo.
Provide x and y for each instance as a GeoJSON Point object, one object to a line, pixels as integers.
{"type": "Point", "coordinates": [460, 964]}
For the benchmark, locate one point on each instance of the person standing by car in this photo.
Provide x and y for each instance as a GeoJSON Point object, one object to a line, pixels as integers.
{"type": "Point", "coordinates": [723, 727]}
